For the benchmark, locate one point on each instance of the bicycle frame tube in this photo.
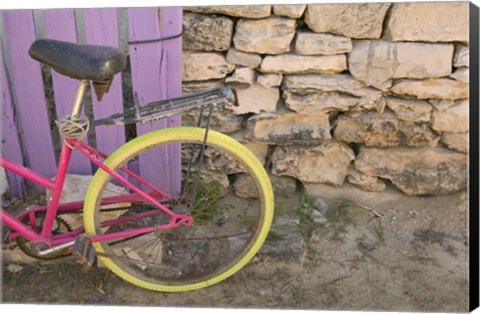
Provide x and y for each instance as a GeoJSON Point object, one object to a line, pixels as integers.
{"type": "Point", "coordinates": [176, 219]}
{"type": "Point", "coordinates": [56, 186]}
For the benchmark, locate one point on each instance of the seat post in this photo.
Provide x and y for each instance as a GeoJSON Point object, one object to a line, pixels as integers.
{"type": "Point", "coordinates": [77, 106]}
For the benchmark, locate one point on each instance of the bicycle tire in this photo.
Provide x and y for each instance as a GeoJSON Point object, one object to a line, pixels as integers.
{"type": "Point", "coordinates": [129, 271]}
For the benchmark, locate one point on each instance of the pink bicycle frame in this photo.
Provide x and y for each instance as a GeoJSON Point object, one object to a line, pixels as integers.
{"type": "Point", "coordinates": [53, 208]}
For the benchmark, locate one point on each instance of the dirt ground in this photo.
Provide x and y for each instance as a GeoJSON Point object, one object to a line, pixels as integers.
{"type": "Point", "coordinates": [369, 251]}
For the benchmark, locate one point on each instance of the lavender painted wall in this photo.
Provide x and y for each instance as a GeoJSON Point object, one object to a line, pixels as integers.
{"type": "Point", "coordinates": [26, 76]}
{"type": "Point", "coordinates": [60, 24]}
{"type": "Point", "coordinates": [156, 74]}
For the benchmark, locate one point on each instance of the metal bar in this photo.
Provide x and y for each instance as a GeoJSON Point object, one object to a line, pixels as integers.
{"type": "Point", "coordinates": [122, 180]}
{"type": "Point", "coordinates": [57, 191]}
{"type": "Point", "coordinates": [93, 152]}
{"type": "Point", "coordinates": [77, 105]}
{"type": "Point", "coordinates": [27, 173]}
{"type": "Point", "coordinates": [18, 226]}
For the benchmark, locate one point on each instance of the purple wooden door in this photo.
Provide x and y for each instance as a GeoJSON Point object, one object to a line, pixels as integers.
{"type": "Point", "coordinates": [27, 86]}
{"type": "Point", "coordinates": [156, 75]}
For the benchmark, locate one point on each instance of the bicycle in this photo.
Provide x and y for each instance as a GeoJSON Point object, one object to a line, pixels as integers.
{"type": "Point", "coordinates": [178, 230]}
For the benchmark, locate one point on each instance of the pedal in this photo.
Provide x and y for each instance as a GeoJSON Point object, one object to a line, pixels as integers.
{"type": "Point", "coordinates": [84, 252]}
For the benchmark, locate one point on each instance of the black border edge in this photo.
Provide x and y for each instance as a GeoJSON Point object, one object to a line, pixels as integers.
{"type": "Point", "coordinates": [474, 158]}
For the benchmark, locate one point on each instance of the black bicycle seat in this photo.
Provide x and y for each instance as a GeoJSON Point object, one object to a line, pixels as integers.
{"type": "Point", "coordinates": [85, 62]}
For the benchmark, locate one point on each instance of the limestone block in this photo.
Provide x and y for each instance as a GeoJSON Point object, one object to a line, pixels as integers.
{"type": "Point", "coordinates": [329, 83]}
{"type": "Point", "coordinates": [244, 186]}
{"type": "Point", "coordinates": [221, 120]}
{"type": "Point", "coordinates": [250, 60]}
{"type": "Point", "coordinates": [326, 163]}
{"type": "Point", "coordinates": [202, 66]}
{"type": "Point", "coordinates": [260, 150]}
{"type": "Point", "coordinates": [441, 104]}
{"type": "Point", "coordinates": [195, 86]}
{"type": "Point", "coordinates": [416, 171]}
{"type": "Point", "coordinates": [384, 130]}
{"type": "Point", "coordinates": [296, 64]}
{"type": "Point", "coordinates": [377, 62]}
{"type": "Point", "coordinates": [367, 183]}
{"type": "Point", "coordinates": [257, 98]}
{"type": "Point", "coordinates": [350, 20]}
{"type": "Point", "coordinates": [410, 110]}
{"type": "Point", "coordinates": [456, 141]}
{"type": "Point", "coordinates": [293, 11]}
{"type": "Point", "coordinates": [321, 44]}
{"type": "Point", "coordinates": [454, 119]}
{"type": "Point", "coordinates": [429, 21]}
{"type": "Point", "coordinates": [270, 80]}
{"type": "Point", "coordinates": [242, 77]}
{"type": "Point", "coordinates": [272, 35]}
{"type": "Point", "coordinates": [312, 93]}
{"type": "Point", "coordinates": [317, 102]}
{"type": "Point", "coordinates": [207, 32]}
{"type": "Point", "coordinates": [461, 74]}
{"type": "Point", "coordinates": [246, 11]}
{"type": "Point", "coordinates": [283, 186]}
{"type": "Point", "coordinates": [441, 88]}
{"type": "Point", "coordinates": [462, 56]}
{"type": "Point", "coordinates": [288, 128]}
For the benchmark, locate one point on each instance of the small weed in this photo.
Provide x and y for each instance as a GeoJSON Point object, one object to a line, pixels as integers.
{"type": "Point", "coordinates": [340, 212]}
{"type": "Point", "coordinates": [334, 281]}
{"type": "Point", "coordinates": [247, 220]}
{"type": "Point", "coordinates": [430, 236]}
{"type": "Point", "coordinates": [206, 203]}
{"type": "Point", "coordinates": [450, 249]}
{"type": "Point", "coordinates": [377, 230]}
{"type": "Point", "coordinates": [304, 212]}
{"type": "Point", "coordinates": [273, 237]}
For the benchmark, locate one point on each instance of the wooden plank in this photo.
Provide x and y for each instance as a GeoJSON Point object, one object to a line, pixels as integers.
{"type": "Point", "coordinates": [171, 24]}
{"type": "Point", "coordinates": [101, 28]}
{"type": "Point", "coordinates": [11, 148]}
{"type": "Point", "coordinates": [150, 79]}
{"type": "Point", "coordinates": [60, 24]}
{"type": "Point", "coordinates": [28, 87]}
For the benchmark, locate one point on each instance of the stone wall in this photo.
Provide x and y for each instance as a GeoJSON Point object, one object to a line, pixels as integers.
{"type": "Point", "coordinates": [337, 93]}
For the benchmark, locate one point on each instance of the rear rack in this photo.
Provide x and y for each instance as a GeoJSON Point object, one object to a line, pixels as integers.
{"type": "Point", "coordinates": [217, 97]}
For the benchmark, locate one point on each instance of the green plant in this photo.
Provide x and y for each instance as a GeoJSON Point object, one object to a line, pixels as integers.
{"type": "Point", "coordinates": [273, 237]}
{"type": "Point", "coordinates": [304, 212]}
{"type": "Point", "coordinates": [377, 230]}
{"type": "Point", "coordinates": [206, 203]}
{"type": "Point", "coordinates": [340, 212]}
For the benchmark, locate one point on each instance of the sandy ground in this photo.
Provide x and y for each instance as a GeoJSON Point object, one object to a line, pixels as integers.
{"type": "Point", "coordinates": [369, 251]}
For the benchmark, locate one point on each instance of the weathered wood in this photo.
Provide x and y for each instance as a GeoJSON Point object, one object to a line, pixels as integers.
{"type": "Point", "coordinates": [27, 80]}
{"type": "Point", "coordinates": [10, 138]}
{"type": "Point", "coordinates": [171, 25]}
{"type": "Point", "coordinates": [101, 28]}
{"type": "Point", "coordinates": [152, 81]}
{"type": "Point", "coordinates": [156, 75]}
{"type": "Point", "coordinates": [60, 24]}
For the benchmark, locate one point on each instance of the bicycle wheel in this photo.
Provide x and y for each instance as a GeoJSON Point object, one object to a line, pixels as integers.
{"type": "Point", "coordinates": [219, 182]}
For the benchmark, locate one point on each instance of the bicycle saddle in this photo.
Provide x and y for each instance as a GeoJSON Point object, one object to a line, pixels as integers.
{"type": "Point", "coordinates": [90, 62]}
